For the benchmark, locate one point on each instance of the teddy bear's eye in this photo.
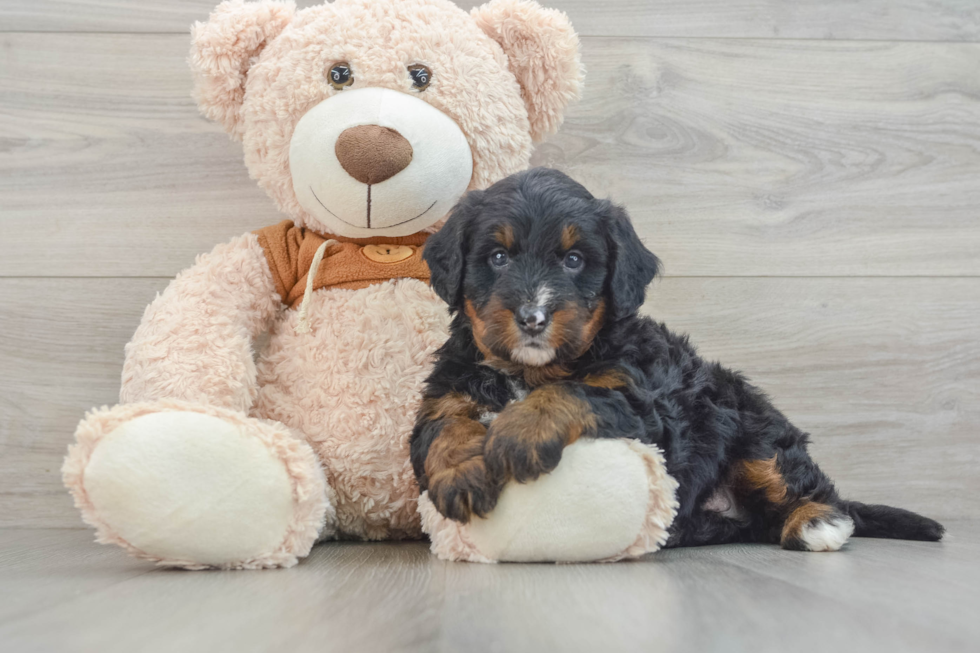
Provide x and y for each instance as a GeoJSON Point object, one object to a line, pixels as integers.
{"type": "Point", "coordinates": [340, 75]}
{"type": "Point", "coordinates": [421, 76]}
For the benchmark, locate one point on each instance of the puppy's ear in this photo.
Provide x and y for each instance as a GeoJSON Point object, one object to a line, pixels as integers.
{"type": "Point", "coordinates": [223, 48]}
{"type": "Point", "coordinates": [543, 53]}
{"type": "Point", "coordinates": [445, 251]}
{"type": "Point", "coordinates": [631, 265]}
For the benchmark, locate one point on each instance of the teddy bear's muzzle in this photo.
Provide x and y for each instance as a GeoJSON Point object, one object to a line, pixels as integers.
{"type": "Point", "coordinates": [377, 162]}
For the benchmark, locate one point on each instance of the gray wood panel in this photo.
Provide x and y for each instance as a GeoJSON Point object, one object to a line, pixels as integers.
{"type": "Point", "coordinates": [936, 20]}
{"type": "Point", "coordinates": [397, 597]}
{"type": "Point", "coordinates": [73, 566]}
{"type": "Point", "coordinates": [735, 157]}
{"type": "Point", "coordinates": [885, 373]}
{"type": "Point", "coordinates": [785, 158]}
{"type": "Point", "coordinates": [61, 355]}
{"type": "Point", "coordinates": [866, 576]}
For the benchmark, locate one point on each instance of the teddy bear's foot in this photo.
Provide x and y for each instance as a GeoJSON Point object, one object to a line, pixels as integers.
{"type": "Point", "coordinates": [193, 486]}
{"type": "Point", "coordinates": [608, 499]}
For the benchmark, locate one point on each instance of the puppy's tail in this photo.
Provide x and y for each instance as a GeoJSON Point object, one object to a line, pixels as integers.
{"type": "Point", "coordinates": [894, 523]}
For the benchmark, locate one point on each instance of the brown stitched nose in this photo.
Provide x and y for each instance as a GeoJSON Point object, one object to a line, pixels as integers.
{"type": "Point", "coordinates": [372, 153]}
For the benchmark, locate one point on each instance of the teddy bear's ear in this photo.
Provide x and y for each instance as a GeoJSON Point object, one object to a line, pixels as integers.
{"type": "Point", "coordinates": [223, 48]}
{"type": "Point", "coordinates": [543, 52]}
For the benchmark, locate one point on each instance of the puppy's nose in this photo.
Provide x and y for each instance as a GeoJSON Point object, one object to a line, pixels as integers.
{"type": "Point", "coordinates": [372, 153]}
{"type": "Point", "coordinates": [532, 319]}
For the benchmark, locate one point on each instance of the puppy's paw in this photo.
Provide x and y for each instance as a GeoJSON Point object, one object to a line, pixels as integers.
{"type": "Point", "coordinates": [463, 491]}
{"type": "Point", "coordinates": [816, 527]}
{"type": "Point", "coordinates": [523, 443]}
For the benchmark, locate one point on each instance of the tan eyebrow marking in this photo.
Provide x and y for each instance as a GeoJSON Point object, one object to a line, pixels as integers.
{"type": "Point", "coordinates": [505, 236]}
{"type": "Point", "coordinates": [569, 236]}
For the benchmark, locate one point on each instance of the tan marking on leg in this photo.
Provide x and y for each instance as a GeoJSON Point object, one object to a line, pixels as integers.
{"type": "Point", "coordinates": [543, 424]}
{"type": "Point", "coordinates": [552, 409]}
{"type": "Point", "coordinates": [803, 515]}
{"type": "Point", "coordinates": [454, 404]}
{"type": "Point", "coordinates": [458, 480]}
{"type": "Point", "coordinates": [764, 475]}
{"type": "Point", "coordinates": [459, 440]}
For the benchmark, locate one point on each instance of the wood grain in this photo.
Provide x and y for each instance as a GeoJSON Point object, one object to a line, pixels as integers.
{"type": "Point", "coordinates": [108, 162]}
{"type": "Point", "coordinates": [56, 566]}
{"type": "Point", "coordinates": [884, 373]}
{"type": "Point", "coordinates": [910, 20]}
{"type": "Point", "coordinates": [61, 355]}
{"type": "Point", "coordinates": [397, 597]}
{"type": "Point", "coordinates": [785, 158]}
{"type": "Point", "coordinates": [737, 157]}
{"type": "Point", "coordinates": [864, 577]}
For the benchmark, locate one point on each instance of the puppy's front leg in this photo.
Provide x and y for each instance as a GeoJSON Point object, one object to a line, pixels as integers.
{"type": "Point", "coordinates": [527, 438]}
{"type": "Point", "coordinates": [447, 453]}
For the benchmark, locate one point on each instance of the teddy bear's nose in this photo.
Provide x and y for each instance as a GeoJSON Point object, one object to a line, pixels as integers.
{"type": "Point", "coordinates": [372, 153]}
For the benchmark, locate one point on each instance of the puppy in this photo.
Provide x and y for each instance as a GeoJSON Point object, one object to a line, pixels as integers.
{"type": "Point", "coordinates": [546, 347]}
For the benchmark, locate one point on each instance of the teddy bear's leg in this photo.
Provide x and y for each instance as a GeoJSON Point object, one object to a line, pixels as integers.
{"type": "Point", "coordinates": [607, 500]}
{"type": "Point", "coordinates": [196, 486]}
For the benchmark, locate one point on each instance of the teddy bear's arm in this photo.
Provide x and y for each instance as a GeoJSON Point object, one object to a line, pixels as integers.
{"type": "Point", "coordinates": [195, 340]}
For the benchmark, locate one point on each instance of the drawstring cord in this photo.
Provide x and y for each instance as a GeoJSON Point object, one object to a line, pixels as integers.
{"type": "Point", "coordinates": [303, 326]}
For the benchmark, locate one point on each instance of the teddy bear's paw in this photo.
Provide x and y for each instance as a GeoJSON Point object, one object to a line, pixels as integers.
{"type": "Point", "coordinates": [608, 499]}
{"type": "Point", "coordinates": [198, 487]}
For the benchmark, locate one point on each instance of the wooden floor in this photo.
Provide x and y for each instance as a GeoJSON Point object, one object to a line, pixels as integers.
{"type": "Point", "coordinates": [63, 593]}
{"type": "Point", "coordinates": [809, 172]}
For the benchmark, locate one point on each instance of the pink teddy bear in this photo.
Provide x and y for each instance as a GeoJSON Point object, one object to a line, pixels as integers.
{"type": "Point", "coordinates": [365, 121]}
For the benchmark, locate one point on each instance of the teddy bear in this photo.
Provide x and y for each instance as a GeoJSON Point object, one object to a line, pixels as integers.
{"type": "Point", "coordinates": [365, 121]}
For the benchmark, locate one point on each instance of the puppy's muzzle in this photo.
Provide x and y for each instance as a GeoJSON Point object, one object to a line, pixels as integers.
{"type": "Point", "coordinates": [531, 319]}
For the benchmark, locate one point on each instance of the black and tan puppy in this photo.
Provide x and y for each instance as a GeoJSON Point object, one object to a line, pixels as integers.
{"type": "Point", "coordinates": [546, 347]}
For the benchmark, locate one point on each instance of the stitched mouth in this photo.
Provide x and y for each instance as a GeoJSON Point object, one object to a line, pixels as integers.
{"type": "Point", "coordinates": [388, 226]}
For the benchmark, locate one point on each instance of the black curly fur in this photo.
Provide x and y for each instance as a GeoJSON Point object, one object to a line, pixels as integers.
{"type": "Point", "coordinates": [633, 379]}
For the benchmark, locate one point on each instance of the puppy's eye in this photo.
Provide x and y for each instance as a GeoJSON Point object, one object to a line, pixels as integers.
{"type": "Point", "coordinates": [574, 260]}
{"type": "Point", "coordinates": [421, 76]}
{"type": "Point", "coordinates": [340, 75]}
{"type": "Point", "coordinates": [499, 258]}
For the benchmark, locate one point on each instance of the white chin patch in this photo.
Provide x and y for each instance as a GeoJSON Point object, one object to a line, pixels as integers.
{"type": "Point", "coordinates": [827, 535]}
{"type": "Point", "coordinates": [416, 197]}
{"type": "Point", "coordinates": [534, 356]}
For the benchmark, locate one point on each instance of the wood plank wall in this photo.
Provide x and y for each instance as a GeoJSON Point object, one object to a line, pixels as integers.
{"type": "Point", "coordinates": [809, 172]}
